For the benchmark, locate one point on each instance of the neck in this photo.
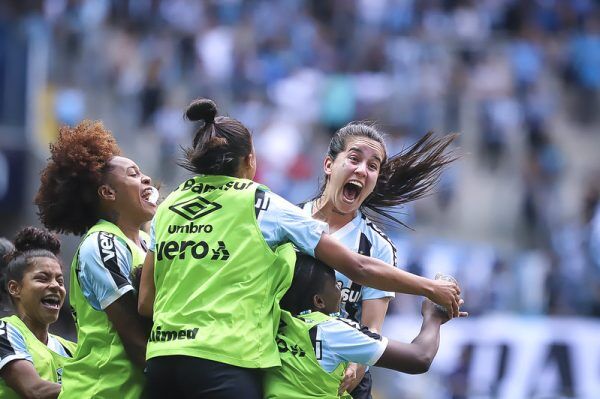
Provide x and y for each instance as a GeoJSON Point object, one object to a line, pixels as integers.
{"type": "Point", "coordinates": [130, 228]}
{"type": "Point", "coordinates": [323, 209]}
{"type": "Point", "coordinates": [131, 231]}
{"type": "Point", "coordinates": [40, 330]}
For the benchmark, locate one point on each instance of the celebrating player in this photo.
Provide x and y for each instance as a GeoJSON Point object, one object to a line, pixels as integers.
{"type": "Point", "coordinates": [316, 345]}
{"type": "Point", "coordinates": [32, 359]}
{"type": "Point", "coordinates": [360, 176]}
{"type": "Point", "coordinates": [220, 261]}
{"type": "Point", "coordinates": [88, 189]}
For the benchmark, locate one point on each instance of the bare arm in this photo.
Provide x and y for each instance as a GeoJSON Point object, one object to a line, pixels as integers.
{"type": "Point", "coordinates": [22, 377]}
{"type": "Point", "coordinates": [416, 357]}
{"type": "Point", "coordinates": [377, 274]}
{"type": "Point", "coordinates": [147, 289]}
{"type": "Point", "coordinates": [130, 326]}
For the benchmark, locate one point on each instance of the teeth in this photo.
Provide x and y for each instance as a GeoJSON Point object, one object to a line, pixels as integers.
{"type": "Point", "coordinates": [356, 183]}
{"type": "Point", "coordinates": [153, 196]}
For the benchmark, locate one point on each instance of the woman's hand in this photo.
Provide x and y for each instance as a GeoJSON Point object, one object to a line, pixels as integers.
{"type": "Point", "coordinates": [447, 295]}
{"type": "Point", "coordinates": [352, 377]}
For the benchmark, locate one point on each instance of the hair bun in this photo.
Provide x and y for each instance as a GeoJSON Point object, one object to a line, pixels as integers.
{"type": "Point", "coordinates": [202, 109]}
{"type": "Point", "coordinates": [31, 238]}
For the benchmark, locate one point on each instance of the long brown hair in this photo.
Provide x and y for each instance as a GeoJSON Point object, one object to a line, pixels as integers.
{"type": "Point", "coordinates": [404, 177]}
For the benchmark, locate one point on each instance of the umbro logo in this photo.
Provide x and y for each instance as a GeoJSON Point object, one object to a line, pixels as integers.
{"type": "Point", "coordinates": [195, 208]}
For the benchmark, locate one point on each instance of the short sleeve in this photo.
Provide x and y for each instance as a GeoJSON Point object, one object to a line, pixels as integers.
{"type": "Point", "coordinates": [343, 340]}
{"type": "Point", "coordinates": [281, 221]}
{"type": "Point", "coordinates": [104, 268]}
{"type": "Point", "coordinates": [12, 345]}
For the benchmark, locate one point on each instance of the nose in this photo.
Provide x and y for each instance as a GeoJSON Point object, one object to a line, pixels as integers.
{"type": "Point", "coordinates": [54, 284]}
{"type": "Point", "coordinates": [361, 169]}
{"type": "Point", "coordinates": [146, 180]}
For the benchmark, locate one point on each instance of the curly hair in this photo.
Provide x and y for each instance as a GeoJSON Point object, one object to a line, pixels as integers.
{"type": "Point", "coordinates": [67, 200]}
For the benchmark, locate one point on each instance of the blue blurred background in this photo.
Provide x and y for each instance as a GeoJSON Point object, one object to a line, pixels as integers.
{"type": "Point", "coordinates": [516, 219]}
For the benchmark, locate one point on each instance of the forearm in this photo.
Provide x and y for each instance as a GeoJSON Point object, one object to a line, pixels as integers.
{"type": "Point", "coordinates": [368, 271]}
{"type": "Point", "coordinates": [136, 352]}
{"type": "Point", "coordinates": [44, 390]}
{"type": "Point", "coordinates": [377, 274]}
{"type": "Point", "coordinates": [23, 378]}
{"type": "Point", "coordinates": [427, 342]}
{"type": "Point", "coordinates": [416, 357]}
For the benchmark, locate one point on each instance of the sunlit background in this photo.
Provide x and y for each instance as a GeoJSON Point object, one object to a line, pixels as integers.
{"type": "Point", "coordinates": [516, 220]}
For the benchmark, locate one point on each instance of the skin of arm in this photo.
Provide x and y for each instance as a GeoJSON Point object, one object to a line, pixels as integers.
{"type": "Point", "coordinates": [147, 289]}
{"type": "Point", "coordinates": [374, 273]}
{"type": "Point", "coordinates": [123, 315]}
{"type": "Point", "coordinates": [22, 377]}
{"type": "Point", "coordinates": [416, 357]}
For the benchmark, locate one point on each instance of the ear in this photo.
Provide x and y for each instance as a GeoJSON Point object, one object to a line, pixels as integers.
{"type": "Point", "coordinates": [327, 165]}
{"type": "Point", "coordinates": [106, 192]}
{"type": "Point", "coordinates": [251, 161]}
{"type": "Point", "coordinates": [14, 289]}
{"type": "Point", "coordinates": [318, 302]}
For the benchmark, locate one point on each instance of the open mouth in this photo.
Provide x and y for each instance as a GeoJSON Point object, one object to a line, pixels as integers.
{"type": "Point", "coordinates": [51, 302]}
{"type": "Point", "coordinates": [352, 190]}
{"type": "Point", "coordinates": [150, 195]}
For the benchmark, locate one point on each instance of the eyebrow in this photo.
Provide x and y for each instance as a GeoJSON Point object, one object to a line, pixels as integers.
{"type": "Point", "coordinates": [362, 152]}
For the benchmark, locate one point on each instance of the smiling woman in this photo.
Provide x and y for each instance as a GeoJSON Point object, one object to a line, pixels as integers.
{"type": "Point", "coordinates": [89, 189]}
{"type": "Point", "coordinates": [31, 359]}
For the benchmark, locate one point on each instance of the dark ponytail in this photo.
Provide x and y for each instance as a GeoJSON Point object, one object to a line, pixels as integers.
{"type": "Point", "coordinates": [405, 177]}
{"type": "Point", "coordinates": [219, 144]}
{"type": "Point", "coordinates": [31, 242]}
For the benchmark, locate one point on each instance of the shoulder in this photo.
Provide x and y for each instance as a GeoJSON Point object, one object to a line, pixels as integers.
{"type": "Point", "coordinates": [102, 245]}
{"type": "Point", "coordinates": [383, 247]}
{"type": "Point", "coordinates": [343, 326]}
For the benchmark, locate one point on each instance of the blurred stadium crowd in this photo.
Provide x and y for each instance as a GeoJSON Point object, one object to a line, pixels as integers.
{"type": "Point", "coordinates": [516, 220]}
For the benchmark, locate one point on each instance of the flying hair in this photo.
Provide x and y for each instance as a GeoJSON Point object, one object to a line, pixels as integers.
{"type": "Point", "coordinates": [404, 177]}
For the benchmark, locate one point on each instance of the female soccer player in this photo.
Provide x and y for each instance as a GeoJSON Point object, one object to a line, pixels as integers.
{"type": "Point", "coordinates": [32, 359]}
{"type": "Point", "coordinates": [219, 264]}
{"type": "Point", "coordinates": [88, 189]}
{"type": "Point", "coordinates": [359, 176]}
{"type": "Point", "coordinates": [316, 345]}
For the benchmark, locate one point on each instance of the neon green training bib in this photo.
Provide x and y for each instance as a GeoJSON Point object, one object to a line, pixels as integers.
{"type": "Point", "coordinates": [48, 364]}
{"type": "Point", "coordinates": [300, 375]}
{"type": "Point", "coordinates": [218, 283]}
{"type": "Point", "coordinates": [100, 368]}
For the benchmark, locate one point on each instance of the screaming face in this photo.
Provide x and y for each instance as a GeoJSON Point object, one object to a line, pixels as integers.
{"type": "Point", "coordinates": [353, 174]}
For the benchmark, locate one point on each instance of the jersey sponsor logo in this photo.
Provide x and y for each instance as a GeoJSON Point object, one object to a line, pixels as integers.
{"type": "Point", "coordinates": [107, 246]}
{"type": "Point", "coordinates": [349, 294]}
{"type": "Point", "coordinates": [197, 249]}
{"type": "Point", "coordinates": [293, 349]}
{"type": "Point", "coordinates": [190, 228]}
{"type": "Point", "coordinates": [160, 335]}
{"type": "Point", "coordinates": [195, 208]}
{"type": "Point", "coordinates": [201, 188]}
